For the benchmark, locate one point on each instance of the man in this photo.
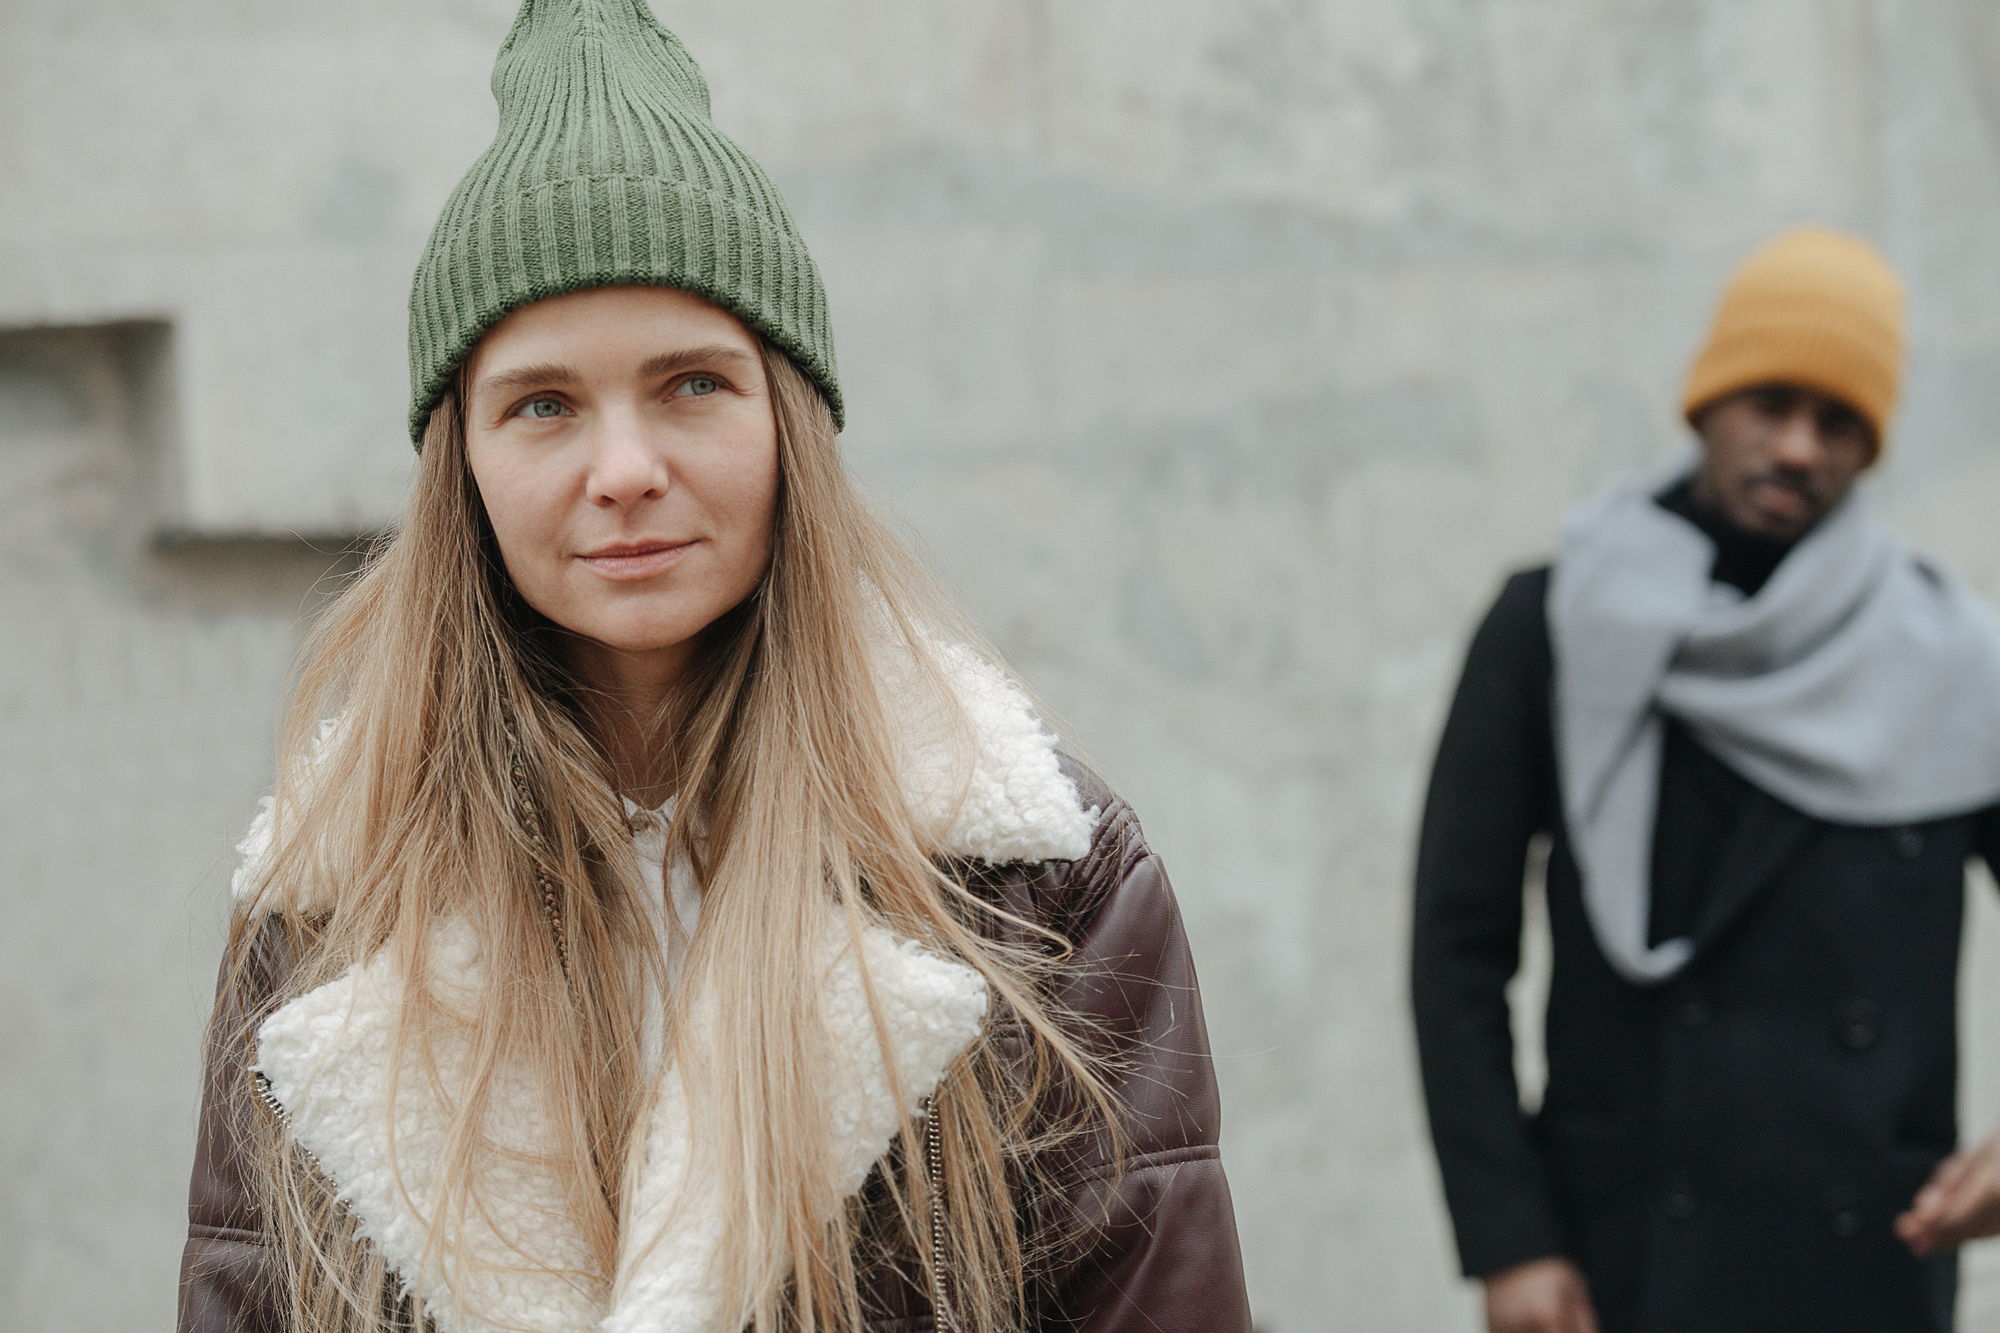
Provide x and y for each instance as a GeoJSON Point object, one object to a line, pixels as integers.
{"type": "Point", "coordinates": [1762, 739]}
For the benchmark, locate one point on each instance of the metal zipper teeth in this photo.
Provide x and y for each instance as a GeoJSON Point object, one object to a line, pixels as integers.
{"type": "Point", "coordinates": [934, 1172]}
{"type": "Point", "coordinates": [270, 1099]}
{"type": "Point", "coordinates": [277, 1108]}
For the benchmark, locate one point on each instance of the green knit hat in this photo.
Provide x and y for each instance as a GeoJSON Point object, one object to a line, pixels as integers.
{"type": "Point", "coordinates": [607, 172]}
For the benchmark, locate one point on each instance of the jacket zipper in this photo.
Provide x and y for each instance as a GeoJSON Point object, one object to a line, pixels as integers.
{"type": "Point", "coordinates": [270, 1099]}
{"type": "Point", "coordinates": [934, 1172]}
{"type": "Point", "coordinates": [277, 1108]}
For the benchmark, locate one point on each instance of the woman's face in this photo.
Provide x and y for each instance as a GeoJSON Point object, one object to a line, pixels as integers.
{"type": "Point", "coordinates": [623, 441]}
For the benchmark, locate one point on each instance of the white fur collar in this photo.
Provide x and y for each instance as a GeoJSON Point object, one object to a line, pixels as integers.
{"type": "Point", "coordinates": [325, 1056]}
{"type": "Point", "coordinates": [1008, 800]}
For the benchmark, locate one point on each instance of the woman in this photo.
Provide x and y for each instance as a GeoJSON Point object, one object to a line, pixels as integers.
{"type": "Point", "coordinates": [673, 928]}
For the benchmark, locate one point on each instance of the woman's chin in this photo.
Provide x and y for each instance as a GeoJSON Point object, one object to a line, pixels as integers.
{"type": "Point", "coordinates": [633, 644]}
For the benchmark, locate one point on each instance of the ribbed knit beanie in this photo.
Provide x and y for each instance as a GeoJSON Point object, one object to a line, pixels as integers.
{"type": "Point", "coordinates": [607, 171]}
{"type": "Point", "coordinates": [1814, 308]}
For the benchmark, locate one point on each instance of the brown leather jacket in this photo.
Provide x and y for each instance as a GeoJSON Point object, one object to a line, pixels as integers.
{"type": "Point", "coordinates": [1143, 1244]}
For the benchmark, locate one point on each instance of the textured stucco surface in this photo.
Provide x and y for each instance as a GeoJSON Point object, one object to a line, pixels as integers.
{"type": "Point", "coordinates": [1222, 355]}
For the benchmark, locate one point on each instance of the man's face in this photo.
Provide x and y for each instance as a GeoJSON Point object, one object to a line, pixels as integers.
{"type": "Point", "coordinates": [1777, 458]}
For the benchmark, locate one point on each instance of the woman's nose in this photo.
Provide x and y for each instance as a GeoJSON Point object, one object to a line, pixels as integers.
{"type": "Point", "coordinates": [628, 464]}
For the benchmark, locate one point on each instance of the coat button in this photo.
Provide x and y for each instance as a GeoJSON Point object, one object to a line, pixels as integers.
{"type": "Point", "coordinates": [1909, 843]}
{"type": "Point", "coordinates": [1843, 1212]}
{"type": "Point", "coordinates": [1678, 1202]}
{"type": "Point", "coordinates": [1691, 1009]}
{"type": "Point", "coordinates": [1859, 1025]}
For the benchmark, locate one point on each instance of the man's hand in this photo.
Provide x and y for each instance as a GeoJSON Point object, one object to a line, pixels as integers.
{"type": "Point", "coordinates": [1961, 1202]}
{"type": "Point", "coordinates": [1542, 1296]}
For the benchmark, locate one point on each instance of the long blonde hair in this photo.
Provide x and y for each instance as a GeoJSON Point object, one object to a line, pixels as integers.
{"type": "Point", "coordinates": [464, 777]}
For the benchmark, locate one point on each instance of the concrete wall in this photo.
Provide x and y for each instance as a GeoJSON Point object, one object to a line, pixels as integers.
{"type": "Point", "coordinates": [1223, 355]}
{"type": "Point", "coordinates": [136, 693]}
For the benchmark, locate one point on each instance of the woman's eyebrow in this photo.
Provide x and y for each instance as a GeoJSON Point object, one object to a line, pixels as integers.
{"type": "Point", "coordinates": [546, 376]}
{"type": "Point", "coordinates": [669, 362]}
{"type": "Point", "coordinates": [551, 375]}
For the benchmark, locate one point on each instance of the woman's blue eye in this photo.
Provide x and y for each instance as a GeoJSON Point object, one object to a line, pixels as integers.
{"type": "Point", "coordinates": [699, 385]}
{"type": "Point", "coordinates": [542, 409]}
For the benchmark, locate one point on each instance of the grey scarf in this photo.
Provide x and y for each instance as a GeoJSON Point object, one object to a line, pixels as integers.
{"type": "Point", "coordinates": [1861, 685]}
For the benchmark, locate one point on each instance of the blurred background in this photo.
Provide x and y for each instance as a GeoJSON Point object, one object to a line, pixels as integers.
{"type": "Point", "coordinates": [1223, 355]}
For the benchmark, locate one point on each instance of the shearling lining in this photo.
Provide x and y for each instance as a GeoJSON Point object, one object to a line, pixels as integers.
{"type": "Point", "coordinates": [326, 1057]}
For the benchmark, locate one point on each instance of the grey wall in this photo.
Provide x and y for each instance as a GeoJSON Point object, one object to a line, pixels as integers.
{"type": "Point", "coordinates": [136, 693]}
{"type": "Point", "coordinates": [1223, 355]}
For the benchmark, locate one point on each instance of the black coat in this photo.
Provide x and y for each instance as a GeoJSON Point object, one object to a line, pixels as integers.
{"type": "Point", "coordinates": [1724, 1151]}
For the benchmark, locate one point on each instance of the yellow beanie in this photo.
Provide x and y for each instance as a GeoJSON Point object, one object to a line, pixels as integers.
{"type": "Point", "coordinates": [1814, 308]}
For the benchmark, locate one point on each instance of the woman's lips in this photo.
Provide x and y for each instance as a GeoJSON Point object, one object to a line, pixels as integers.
{"type": "Point", "coordinates": [635, 560]}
